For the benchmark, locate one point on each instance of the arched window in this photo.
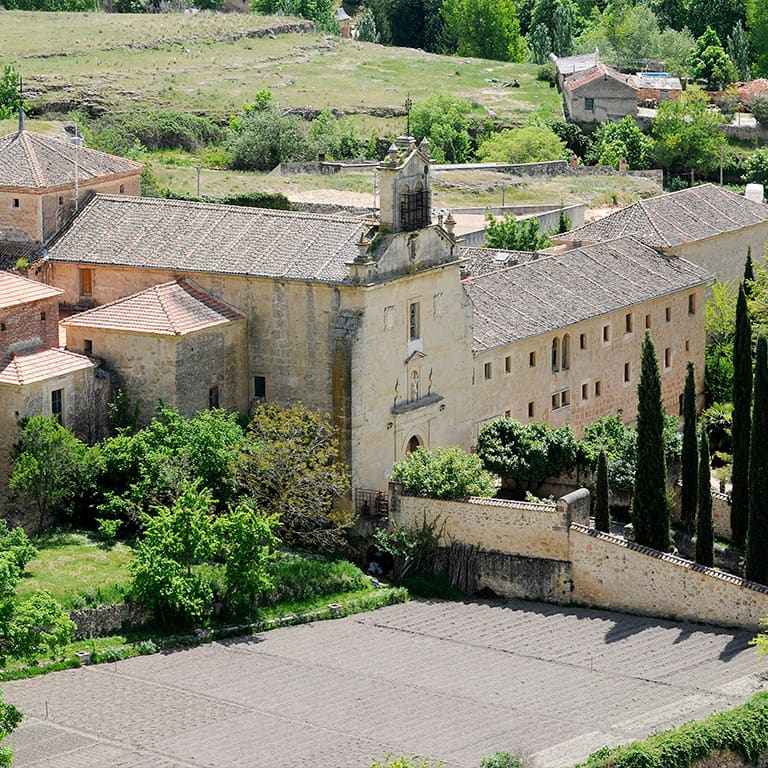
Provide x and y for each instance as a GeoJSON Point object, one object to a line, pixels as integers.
{"type": "Point", "coordinates": [413, 444]}
{"type": "Point", "coordinates": [555, 354]}
{"type": "Point", "coordinates": [566, 352]}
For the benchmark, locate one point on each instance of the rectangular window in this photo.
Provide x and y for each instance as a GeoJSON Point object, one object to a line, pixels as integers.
{"type": "Point", "coordinates": [61, 200]}
{"type": "Point", "coordinates": [691, 303]}
{"type": "Point", "coordinates": [532, 359]}
{"type": "Point", "coordinates": [531, 410]}
{"type": "Point", "coordinates": [2, 326]}
{"type": "Point", "coordinates": [626, 372]}
{"type": "Point", "coordinates": [260, 387]}
{"type": "Point", "coordinates": [565, 398]}
{"type": "Point", "coordinates": [647, 321]}
{"type": "Point", "coordinates": [508, 364]}
{"type": "Point", "coordinates": [507, 413]}
{"type": "Point", "coordinates": [668, 357]}
{"type": "Point", "coordinates": [589, 104]}
{"type": "Point", "coordinates": [606, 333]}
{"type": "Point", "coordinates": [15, 202]}
{"type": "Point", "coordinates": [628, 322]}
{"type": "Point", "coordinates": [122, 189]}
{"type": "Point", "coordinates": [598, 388]}
{"type": "Point", "coordinates": [583, 341]}
{"type": "Point", "coordinates": [414, 331]}
{"type": "Point", "coordinates": [213, 397]}
{"type": "Point", "coordinates": [57, 405]}
{"type": "Point", "coordinates": [86, 282]}
{"type": "Point", "coordinates": [487, 370]}
{"type": "Point", "coordinates": [687, 345]}
{"type": "Point", "coordinates": [680, 399]}
{"type": "Point", "coordinates": [555, 401]}
{"type": "Point", "coordinates": [88, 346]}
{"type": "Point", "coordinates": [42, 317]}
{"type": "Point", "coordinates": [585, 391]}
{"type": "Point", "coordinates": [668, 314]}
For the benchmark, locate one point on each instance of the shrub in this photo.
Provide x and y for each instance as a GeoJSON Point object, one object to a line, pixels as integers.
{"type": "Point", "coordinates": [300, 579]}
{"type": "Point", "coordinates": [760, 110]}
{"type": "Point", "coordinates": [500, 760]}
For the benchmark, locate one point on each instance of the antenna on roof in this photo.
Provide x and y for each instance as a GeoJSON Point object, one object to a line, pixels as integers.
{"type": "Point", "coordinates": [21, 105]}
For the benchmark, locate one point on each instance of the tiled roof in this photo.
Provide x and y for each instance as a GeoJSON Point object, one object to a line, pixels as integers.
{"type": "Point", "coordinates": [41, 364]}
{"type": "Point", "coordinates": [170, 309]}
{"type": "Point", "coordinates": [11, 251]}
{"type": "Point", "coordinates": [34, 161]}
{"type": "Point", "coordinates": [556, 291]}
{"type": "Point", "coordinates": [480, 261]}
{"type": "Point", "coordinates": [16, 290]}
{"type": "Point", "coordinates": [116, 230]}
{"type": "Point", "coordinates": [680, 217]}
{"type": "Point", "coordinates": [595, 73]}
{"type": "Point", "coordinates": [657, 82]}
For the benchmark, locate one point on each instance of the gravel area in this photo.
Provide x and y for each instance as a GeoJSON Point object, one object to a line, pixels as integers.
{"type": "Point", "coordinates": [454, 681]}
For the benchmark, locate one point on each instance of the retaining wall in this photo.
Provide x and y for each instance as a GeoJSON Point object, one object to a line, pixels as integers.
{"type": "Point", "coordinates": [108, 619]}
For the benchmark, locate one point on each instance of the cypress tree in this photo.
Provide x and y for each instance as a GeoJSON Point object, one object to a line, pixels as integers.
{"type": "Point", "coordinates": [705, 535]}
{"type": "Point", "coordinates": [602, 513]}
{"type": "Point", "coordinates": [756, 568]}
{"type": "Point", "coordinates": [749, 273]}
{"type": "Point", "coordinates": [650, 505]}
{"type": "Point", "coordinates": [742, 404]}
{"type": "Point", "coordinates": [690, 455]}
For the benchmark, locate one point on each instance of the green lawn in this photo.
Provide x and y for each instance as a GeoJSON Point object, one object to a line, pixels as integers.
{"type": "Point", "coordinates": [77, 569]}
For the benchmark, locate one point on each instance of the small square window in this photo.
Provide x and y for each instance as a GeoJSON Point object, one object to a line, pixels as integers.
{"type": "Point", "coordinates": [507, 413]}
{"type": "Point", "coordinates": [260, 386]}
{"type": "Point", "coordinates": [589, 104]}
{"type": "Point", "coordinates": [691, 303]}
{"type": "Point", "coordinates": [565, 398]}
{"type": "Point", "coordinates": [628, 322]}
{"type": "Point", "coordinates": [555, 401]}
{"type": "Point", "coordinates": [487, 370]}
{"type": "Point", "coordinates": [508, 364]}
{"type": "Point", "coordinates": [42, 316]}
{"type": "Point", "coordinates": [598, 388]}
{"type": "Point", "coordinates": [626, 372]}
{"type": "Point", "coordinates": [583, 341]}
{"type": "Point", "coordinates": [647, 321]}
{"type": "Point", "coordinates": [606, 333]}
{"type": "Point", "coordinates": [530, 410]}
{"type": "Point", "coordinates": [213, 397]}
{"type": "Point", "coordinates": [668, 357]}
{"type": "Point", "coordinates": [668, 314]}
{"type": "Point", "coordinates": [15, 202]}
{"type": "Point", "coordinates": [585, 391]}
{"type": "Point", "coordinates": [88, 346]}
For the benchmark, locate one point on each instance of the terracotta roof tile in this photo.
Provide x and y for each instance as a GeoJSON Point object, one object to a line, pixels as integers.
{"type": "Point", "coordinates": [33, 161]}
{"type": "Point", "coordinates": [41, 364]}
{"type": "Point", "coordinates": [116, 230]}
{"type": "Point", "coordinates": [171, 309]}
{"type": "Point", "coordinates": [16, 290]}
{"type": "Point", "coordinates": [11, 251]}
{"type": "Point", "coordinates": [675, 218]}
{"type": "Point", "coordinates": [595, 73]}
{"type": "Point", "coordinates": [517, 302]}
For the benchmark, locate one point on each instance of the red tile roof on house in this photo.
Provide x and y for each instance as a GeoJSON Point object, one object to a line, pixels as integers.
{"type": "Point", "coordinates": [575, 82]}
{"type": "Point", "coordinates": [675, 218]}
{"type": "Point", "coordinates": [41, 364]}
{"type": "Point", "coordinates": [142, 232]}
{"type": "Point", "coordinates": [170, 309]}
{"type": "Point", "coordinates": [34, 161]}
{"type": "Point", "coordinates": [16, 290]}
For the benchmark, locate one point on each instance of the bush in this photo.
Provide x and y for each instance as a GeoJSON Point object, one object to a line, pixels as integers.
{"type": "Point", "coordinates": [547, 73]}
{"type": "Point", "coordinates": [301, 579]}
{"type": "Point", "coordinates": [443, 473]}
{"type": "Point", "coordinates": [760, 110]}
{"type": "Point", "coordinates": [168, 130]}
{"type": "Point", "coordinates": [267, 138]}
{"type": "Point", "coordinates": [500, 760]}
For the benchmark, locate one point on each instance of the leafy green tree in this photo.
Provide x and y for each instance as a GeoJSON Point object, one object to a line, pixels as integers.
{"type": "Point", "coordinates": [509, 234]}
{"type": "Point", "coordinates": [650, 505]}
{"type": "Point", "coordinates": [602, 511]}
{"type": "Point", "coordinates": [443, 473]}
{"type": "Point", "coordinates": [558, 17]}
{"type": "Point", "coordinates": [336, 137]}
{"type": "Point", "coordinates": [51, 468]}
{"type": "Point", "coordinates": [10, 717]}
{"type": "Point", "coordinates": [690, 461]}
{"type": "Point", "coordinates": [613, 141]}
{"type": "Point", "coordinates": [539, 44]}
{"type": "Point", "coordinates": [367, 32]}
{"type": "Point", "coordinates": [742, 404]}
{"type": "Point", "coordinates": [10, 98]}
{"type": "Point", "coordinates": [486, 29]}
{"type": "Point", "coordinates": [687, 134]}
{"type": "Point", "coordinates": [290, 466]}
{"type": "Point", "coordinates": [319, 11]}
{"type": "Point", "coordinates": [720, 15]}
{"type": "Point", "coordinates": [525, 453]}
{"type": "Point", "coordinates": [409, 23]}
{"type": "Point", "coordinates": [749, 272]}
{"type": "Point", "coordinates": [738, 49]}
{"type": "Point", "coordinates": [720, 324]}
{"type": "Point", "coordinates": [705, 534]}
{"type": "Point", "coordinates": [710, 62]}
{"type": "Point", "coordinates": [529, 144]}
{"type": "Point", "coordinates": [757, 28]}
{"type": "Point", "coordinates": [444, 120]}
{"type": "Point", "coordinates": [756, 557]}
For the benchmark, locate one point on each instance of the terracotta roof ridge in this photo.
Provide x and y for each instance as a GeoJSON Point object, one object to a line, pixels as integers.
{"type": "Point", "coordinates": [112, 303]}
{"type": "Point", "coordinates": [164, 306]}
{"type": "Point", "coordinates": [31, 155]}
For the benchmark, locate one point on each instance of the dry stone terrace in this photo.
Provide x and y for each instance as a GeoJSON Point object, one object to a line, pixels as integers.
{"type": "Point", "coordinates": [449, 680]}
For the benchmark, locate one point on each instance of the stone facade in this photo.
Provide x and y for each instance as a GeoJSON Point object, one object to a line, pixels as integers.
{"type": "Point", "coordinates": [599, 95]}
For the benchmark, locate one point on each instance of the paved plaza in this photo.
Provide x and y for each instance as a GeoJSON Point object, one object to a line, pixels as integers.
{"type": "Point", "coordinates": [448, 680]}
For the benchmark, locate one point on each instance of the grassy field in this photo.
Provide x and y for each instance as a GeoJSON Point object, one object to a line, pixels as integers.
{"type": "Point", "coordinates": [76, 568]}
{"type": "Point", "coordinates": [203, 63]}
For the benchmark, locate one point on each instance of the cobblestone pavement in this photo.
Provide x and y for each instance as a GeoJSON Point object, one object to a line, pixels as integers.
{"type": "Point", "coordinates": [449, 680]}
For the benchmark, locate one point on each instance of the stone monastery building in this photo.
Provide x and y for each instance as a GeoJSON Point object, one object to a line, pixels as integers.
{"type": "Point", "coordinates": [393, 328]}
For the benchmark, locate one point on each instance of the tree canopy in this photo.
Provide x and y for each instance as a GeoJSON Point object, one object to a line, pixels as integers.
{"type": "Point", "coordinates": [487, 29]}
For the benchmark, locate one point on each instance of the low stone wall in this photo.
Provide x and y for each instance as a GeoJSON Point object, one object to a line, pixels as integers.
{"type": "Point", "coordinates": [511, 527]}
{"type": "Point", "coordinates": [611, 573]}
{"type": "Point", "coordinates": [721, 513]}
{"type": "Point", "coordinates": [108, 619]}
{"type": "Point", "coordinates": [550, 168]}
{"type": "Point", "coordinates": [531, 578]}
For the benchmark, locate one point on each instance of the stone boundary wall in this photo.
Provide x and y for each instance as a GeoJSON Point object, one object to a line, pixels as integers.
{"type": "Point", "coordinates": [108, 619]}
{"type": "Point", "coordinates": [333, 208]}
{"type": "Point", "coordinates": [721, 512]}
{"type": "Point", "coordinates": [323, 167]}
{"type": "Point", "coordinates": [612, 573]}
